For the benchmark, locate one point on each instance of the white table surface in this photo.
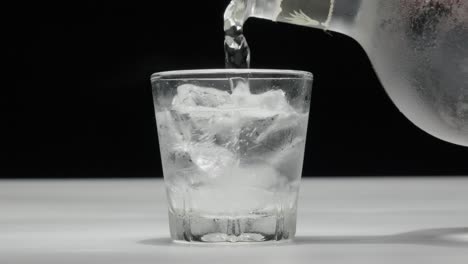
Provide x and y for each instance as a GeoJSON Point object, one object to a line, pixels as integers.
{"type": "Point", "coordinates": [389, 220]}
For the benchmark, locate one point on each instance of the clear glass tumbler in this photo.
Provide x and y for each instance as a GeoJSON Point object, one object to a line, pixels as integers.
{"type": "Point", "coordinates": [232, 148]}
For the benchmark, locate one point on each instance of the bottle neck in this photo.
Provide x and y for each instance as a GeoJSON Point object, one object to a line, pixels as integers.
{"type": "Point", "coordinates": [324, 14]}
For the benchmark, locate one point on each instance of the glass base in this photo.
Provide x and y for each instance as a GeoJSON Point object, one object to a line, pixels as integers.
{"type": "Point", "coordinates": [258, 227]}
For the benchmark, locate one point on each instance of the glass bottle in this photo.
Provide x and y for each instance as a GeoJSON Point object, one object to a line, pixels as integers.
{"type": "Point", "coordinates": [419, 49]}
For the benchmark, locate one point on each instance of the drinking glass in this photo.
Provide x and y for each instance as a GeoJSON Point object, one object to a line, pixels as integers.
{"type": "Point", "coordinates": [232, 148]}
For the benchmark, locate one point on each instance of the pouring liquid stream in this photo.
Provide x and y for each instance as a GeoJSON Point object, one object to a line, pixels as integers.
{"type": "Point", "coordinates": [236, 48]}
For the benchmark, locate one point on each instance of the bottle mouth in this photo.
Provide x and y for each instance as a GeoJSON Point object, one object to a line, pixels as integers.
{"type": "Point", "coordinates": [236, 13]}
{"type": "Point", "coordinates": [231, 73]}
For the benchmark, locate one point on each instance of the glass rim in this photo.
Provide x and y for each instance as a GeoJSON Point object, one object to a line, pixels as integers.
{"type": "Point", "coordinates": [198, 74]}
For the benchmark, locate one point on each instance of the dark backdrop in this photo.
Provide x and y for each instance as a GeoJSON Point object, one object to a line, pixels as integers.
{"type": "Point", "coordinates": [82, 105]}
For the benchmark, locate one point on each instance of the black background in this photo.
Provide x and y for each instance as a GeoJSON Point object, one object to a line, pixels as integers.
{"type": "Point", "coordinates": [82, 106]}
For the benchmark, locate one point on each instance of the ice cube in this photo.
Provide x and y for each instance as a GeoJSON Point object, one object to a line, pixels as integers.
{"type": "Point", "coordinates": [216, 126]}
{"type": "Point", "coordinates": [273, 100]}
{"type": "Point", "coordinates": [192, 95]}
{"type": "Point", "coordinates": [284, 130]}
{"type": "Point", "coordinates": [203, 113]}
{"type": "Point", "coordinates": [176, 127]}
{"type": "Point", "coordinates": [168, 133]}
{"type": "Point", "coordinates": [181, 158]}
{"type": "Point", "coordinates": [197, 164]}
{"type": "Point", "coordinates": [182, 124]}
{"type": "Point", "coordinates": [251, 130]}
{"type": "Point", "coordinates": [286, 125]}
{"type": "Point", "coordinates": [212, 159]}
{"type": "Point", "coordinates": [262, 138]}
{"type": "Point", "coordinates": [167, 127]}
{"type": "Point", "coordinates": [288, 160]}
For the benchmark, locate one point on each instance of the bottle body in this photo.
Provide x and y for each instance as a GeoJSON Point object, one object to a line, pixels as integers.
{"type": "Point", "coordinates": [419, 50]}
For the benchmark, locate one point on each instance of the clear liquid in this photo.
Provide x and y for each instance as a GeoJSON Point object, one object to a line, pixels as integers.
{"type": "Point", "coordinates": [236, 48]}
